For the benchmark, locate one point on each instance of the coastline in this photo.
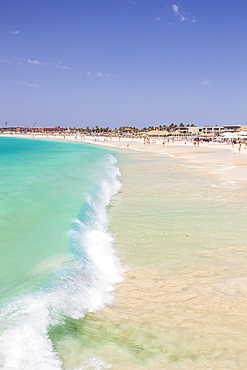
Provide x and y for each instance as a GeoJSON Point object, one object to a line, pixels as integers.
{"type": "Point", "coordinates": [223, 159]}
{"type": "Point", "coordinates": [179, 229]}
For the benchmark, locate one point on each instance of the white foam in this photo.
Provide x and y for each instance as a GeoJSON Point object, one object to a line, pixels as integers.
{"type": "Point", "coordinates": [25, 344]}
{"type": "Point", "coordinates": [230, 184]}
{"type": "Point", "coordinates": [224, 168]}
{"type": "Point", "coordinates": [216, 167]}
{"type": "Point", "coordinates": [93, 362]}
{"type": "Point", "coordinates": [81, 285]}
{"type": "Point", "coordinates": [168, 154]}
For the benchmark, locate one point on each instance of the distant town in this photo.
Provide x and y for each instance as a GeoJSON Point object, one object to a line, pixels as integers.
{"type": "Point", "coordinates": [172, 129]}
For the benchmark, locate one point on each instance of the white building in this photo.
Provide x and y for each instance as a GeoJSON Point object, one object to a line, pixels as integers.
{"type": "Point", "coordinates": [210, 130]}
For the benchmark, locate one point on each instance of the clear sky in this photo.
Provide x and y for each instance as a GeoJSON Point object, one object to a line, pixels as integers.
{"type": "Point", "coordinates": [123, 62]}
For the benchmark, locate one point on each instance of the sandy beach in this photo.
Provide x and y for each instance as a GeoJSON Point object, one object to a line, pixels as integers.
{"type": "Point", "coordinates": [190, 305]}
{"type": "Point", "coordinates": [233, 161]}
{"type": "Point", "coordinates": [180, 231]}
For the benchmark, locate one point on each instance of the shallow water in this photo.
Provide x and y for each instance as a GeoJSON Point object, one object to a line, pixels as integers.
{"type": "Point", "coordinates": [181, 234]}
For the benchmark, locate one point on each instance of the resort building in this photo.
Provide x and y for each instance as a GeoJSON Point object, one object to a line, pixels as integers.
{"type": "Point", "coordinates": [186, 130]}
{"type": "Point", "coordinates": [210, 130]}
{"type": "Point", "coordinates": [232, 128]}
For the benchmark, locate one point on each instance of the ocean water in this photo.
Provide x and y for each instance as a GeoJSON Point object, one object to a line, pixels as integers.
{"type": "Point", "coordinates": [57, 261]}
{"type": "Point", "coordinates": [171, 240]}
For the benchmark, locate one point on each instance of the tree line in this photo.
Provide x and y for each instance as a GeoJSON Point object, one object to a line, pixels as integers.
{"type": "Point", "coordinates": [134, 130]}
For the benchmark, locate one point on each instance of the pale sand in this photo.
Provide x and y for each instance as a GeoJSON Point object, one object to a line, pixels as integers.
{"type": "Point", "coordinates": [196, 319]}
{"type": "Point", "coordinates": [234, 163]}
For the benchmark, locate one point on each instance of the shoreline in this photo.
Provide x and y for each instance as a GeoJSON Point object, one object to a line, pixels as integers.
{"type": "Point", "coordinates": [184, 289]}
{"type": "Point", "coordinates": [222, 159]}
{"type": "Point", "coordinates": [179, 231]}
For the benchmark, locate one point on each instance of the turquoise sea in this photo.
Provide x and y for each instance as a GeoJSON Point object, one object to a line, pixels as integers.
{"type": "Point", "coordinates": [56, 258]}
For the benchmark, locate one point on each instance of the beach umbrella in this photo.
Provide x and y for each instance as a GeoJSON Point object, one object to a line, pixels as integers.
{"type": "Point", "coordinates": [230, 135]}
{"type": "Point", "coordinates": [242, 134]}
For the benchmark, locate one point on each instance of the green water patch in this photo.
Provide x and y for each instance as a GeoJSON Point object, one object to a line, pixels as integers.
{"type": "Point", "coordinates": [136, 345]}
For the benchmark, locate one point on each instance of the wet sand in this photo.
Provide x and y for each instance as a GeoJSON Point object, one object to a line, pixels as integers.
{"type": "Point", "coordinates": [189, 313]}
{"type": "Point", "coordinates": [210, 153]}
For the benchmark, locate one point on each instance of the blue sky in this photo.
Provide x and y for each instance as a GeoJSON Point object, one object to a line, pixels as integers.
{"type": "Point", "coordinates": [123, 62]}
